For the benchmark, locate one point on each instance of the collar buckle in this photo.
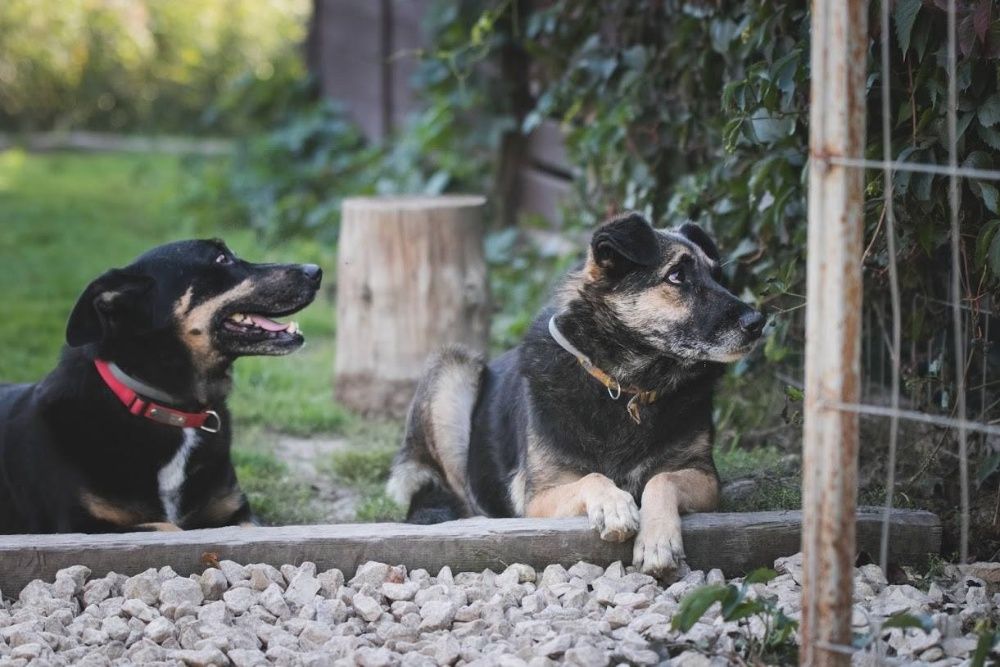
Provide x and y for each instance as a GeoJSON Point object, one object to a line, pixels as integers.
{"type": "Point", "coordinates": [216, 422]}
{"type": "Point", "coordinates": [616, 393]}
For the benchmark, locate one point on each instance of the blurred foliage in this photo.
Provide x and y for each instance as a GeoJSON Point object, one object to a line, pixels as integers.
{"type": "Point", "coordinates": [182, 66]}
{"type": "Point", "coordinates": [293, 178]}
{"type": "Point", "coordinates": [287, 181]}
{"type": "Point", "coordinates": [699, 111]}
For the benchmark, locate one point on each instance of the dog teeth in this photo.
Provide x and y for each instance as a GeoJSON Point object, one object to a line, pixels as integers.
{"type": "Point", "coordinates": [293, 327]}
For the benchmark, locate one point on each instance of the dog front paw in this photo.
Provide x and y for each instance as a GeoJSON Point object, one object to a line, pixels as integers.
{"type": "Point", "coordinates": [613, 513]}
{"type": "Point", "coordinates": [659, 548]}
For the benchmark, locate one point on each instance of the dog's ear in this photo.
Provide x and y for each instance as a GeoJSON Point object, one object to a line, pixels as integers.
{"type": "Point", "coordinates": [625, 243]}
{"type": "Point", "coordinates": [700, 238]}
{"type": "Point", "coordinates": [115, 298]}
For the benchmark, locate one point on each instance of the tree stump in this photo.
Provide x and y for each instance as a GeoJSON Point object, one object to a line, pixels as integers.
{"type": "Point", "coordinates": [411, 278]}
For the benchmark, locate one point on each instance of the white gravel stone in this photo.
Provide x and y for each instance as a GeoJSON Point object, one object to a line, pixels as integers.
{"type": "Point", "coordinates": [144, 587]}
{"type": "Point", "coordinates": [242, 657]}
{"type": "Point", "coordinates": [397, 592]}
{"type": "Point", "coordinates": [139, 609]}
{"type": "Point", "coordinates": [96, 590]}
{"type": "Point", "coordinates": [179, 591]}
{"type": "Point", "coordinates": [330, 582]}
{"type": "Point", "coordinates": [213, 584]}
{"type": "Point", "coordinates": [159, 630]}
{"type": "Point", "coordinates": [587, 656]}
{"type": "Point", "coordinates": [234, 572]}
{"type": "Point", "coordinates": [302, 588]}
{"type": "Point", "coordinates": [239, 600]}
{"type": "Point", "coordinates": [437, 615]}
{"type": "Point", "coordinates": [372, 573]}
{"type": "Point", "coordinates": [260, 615]}
{"type": "Point", "coordinates": [274, 602]}
{"type": "Point", "coordinates": [367, 607]}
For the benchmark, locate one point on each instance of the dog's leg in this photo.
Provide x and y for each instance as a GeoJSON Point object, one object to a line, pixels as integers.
{"type": "Point", "coordinates": [428, 473]}
{"type": "Point", "coordinates": [158, 527]}
{"type": "Point", "coordinates": [659, 549]}
{"type": "Point", "coordinates": [612, 512]}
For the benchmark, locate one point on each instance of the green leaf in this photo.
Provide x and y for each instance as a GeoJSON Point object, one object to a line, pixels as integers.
{"type": "Point", "coordinates": [921, 183]}
{"type": "Point", "coordinates": [794, 393]}
{"type": "Point", "coordinates": [768, 128]}
{"type": "Point", "coordinates": [987, 467]}
{"type": "Point", "coordinates": [904, 620]}
{"type": "Point", "coordinates": [696, 603]}
{"type": "Point", "coordinates": [904, 15]}
{"type": "Point", "coordinates": [990, 195]}
{"type": "Point", "coordinates": [763, 575]}
{"type": "Point", "coordinates": [742, 610]}
{"type": "Point", "coordinates": [989, 135]}
{"type": "Point", "coordinates": [989, 110]}
{"type": "Point", "coordinates": [993, 256]}
{"type": "Point", "coordinates": [984, 240]}
{"type": "Point", "coordinates": [986, 641]}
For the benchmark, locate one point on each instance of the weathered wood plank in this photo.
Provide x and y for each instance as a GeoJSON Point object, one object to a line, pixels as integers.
{"type": "Point", "coordinates": [542, 194]}
{"type": "Point", "coordinates": [547, 148]}
{"type": "Point", "coordinates": [351, 60]}
{"type": "Point", "coordinates": [734, 542]}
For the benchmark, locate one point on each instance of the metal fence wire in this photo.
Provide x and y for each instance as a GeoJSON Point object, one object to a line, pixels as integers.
{"type": "Point", "coordinates": [834, 398]}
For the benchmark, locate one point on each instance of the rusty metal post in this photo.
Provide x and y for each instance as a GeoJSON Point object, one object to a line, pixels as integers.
{"type": "Point", "coordinates": [833, 328]}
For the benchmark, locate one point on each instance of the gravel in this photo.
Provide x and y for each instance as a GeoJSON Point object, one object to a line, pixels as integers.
{"type": "Point", "coordinates": [386, 616]}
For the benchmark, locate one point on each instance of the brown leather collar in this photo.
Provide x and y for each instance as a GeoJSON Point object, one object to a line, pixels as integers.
{"type": "Point", "coordinates": [615, 389]}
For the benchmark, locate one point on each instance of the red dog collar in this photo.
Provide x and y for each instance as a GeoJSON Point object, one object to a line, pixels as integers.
{"type": "Point", "coordinates": [207, 421]}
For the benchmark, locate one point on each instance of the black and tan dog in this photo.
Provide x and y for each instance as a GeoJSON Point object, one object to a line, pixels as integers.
{"type": "Point", "coordinates": [605, 409]}
{"type": "Point", "coordinates": [130, 431]}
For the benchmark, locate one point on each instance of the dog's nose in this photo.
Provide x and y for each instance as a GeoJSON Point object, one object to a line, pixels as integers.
{"type": "Point", "coordinates": [753, 322]}
{"type": "Point", "coordinates": [313, 272]}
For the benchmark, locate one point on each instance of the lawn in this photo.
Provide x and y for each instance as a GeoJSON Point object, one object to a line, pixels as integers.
{"type": "Point", "coordinates": [67, 217]}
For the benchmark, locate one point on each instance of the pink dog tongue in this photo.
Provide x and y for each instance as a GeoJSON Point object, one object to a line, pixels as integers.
{"type": "Point", "coordinates": [266, 324]}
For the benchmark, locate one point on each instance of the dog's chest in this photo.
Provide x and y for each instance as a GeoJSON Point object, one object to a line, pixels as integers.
{"type": "Point", "coordinates": [172, 475]}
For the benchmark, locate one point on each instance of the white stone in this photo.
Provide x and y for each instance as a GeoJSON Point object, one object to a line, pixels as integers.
{"type": "Point", "coordinates": [397, 592]}
{"type": "Point", "coordinates": [238, 600]}
{"type": "Point", "coordinates": [181, 591]}
{"type": "Point", "coordinates": [159, 630]}
{"type": "Point", "coordinates": [302, 589]}
{"type": "Point", "coordinates": [367, 607]}
{"type": "Point", "coordinates": [437, 615]}
{"type": "Point", "coordinates": [144, 587]}
{"type": "Point", "coordinates": [587, 656]}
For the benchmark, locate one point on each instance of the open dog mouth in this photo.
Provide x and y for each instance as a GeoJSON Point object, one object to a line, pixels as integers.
{"type": "Point", "coordinates": [247, 332]}
{"type": "Point", "coordinates": [259, 326]}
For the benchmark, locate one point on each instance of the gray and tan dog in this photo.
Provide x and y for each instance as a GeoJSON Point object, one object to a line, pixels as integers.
{"type": "Point", "coordinates": [604, 409]}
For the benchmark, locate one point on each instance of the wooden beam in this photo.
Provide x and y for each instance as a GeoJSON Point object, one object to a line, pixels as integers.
{"type": "Point", "coordinates": [833, 328]}
{"type": "Point", "coordinates": [735, 543]}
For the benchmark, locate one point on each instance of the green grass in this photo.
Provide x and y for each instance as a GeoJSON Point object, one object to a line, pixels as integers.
{"type": "Point", "coordinates": [366, 467]}
{"type": "Point", "coordinates": [66, 217]}
{"type": "Point", "coordinates": [777, 484]}
{"type": "Point", "coordinates": [275, 495]}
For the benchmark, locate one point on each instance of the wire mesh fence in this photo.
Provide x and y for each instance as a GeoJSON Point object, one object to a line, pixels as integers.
{"type": "Point", "coordinates": [856, 362]}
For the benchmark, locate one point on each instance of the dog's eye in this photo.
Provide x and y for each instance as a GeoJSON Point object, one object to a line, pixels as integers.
{"type": "Point", "coordinates": [676, 277]}
{"type": "Point", "coordinates": [223, 259]}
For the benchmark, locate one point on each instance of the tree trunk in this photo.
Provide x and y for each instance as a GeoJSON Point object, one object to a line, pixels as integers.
{"type": "Point", "coordinates": [411, 278]}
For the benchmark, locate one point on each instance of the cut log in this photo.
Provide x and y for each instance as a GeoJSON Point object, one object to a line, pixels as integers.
{"type": "Point", "coordinates": [411, 278]}
{"type": "Point", "coordinates": [736, 543]}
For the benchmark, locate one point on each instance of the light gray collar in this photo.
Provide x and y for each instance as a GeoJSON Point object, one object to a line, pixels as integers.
{"type": "Point", "coordinates": [564, 343]}
{"type": "Point", "coordinates": [140, 387]}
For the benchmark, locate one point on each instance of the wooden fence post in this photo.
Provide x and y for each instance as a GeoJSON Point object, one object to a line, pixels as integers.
{"type": "Point", "coordinates": [411, 278]}
{"type": "Point", "coordinates": [833, 328]}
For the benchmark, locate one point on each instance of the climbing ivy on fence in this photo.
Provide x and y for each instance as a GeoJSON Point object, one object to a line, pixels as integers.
{"type": "Point", "coordinates": [698, 110]}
